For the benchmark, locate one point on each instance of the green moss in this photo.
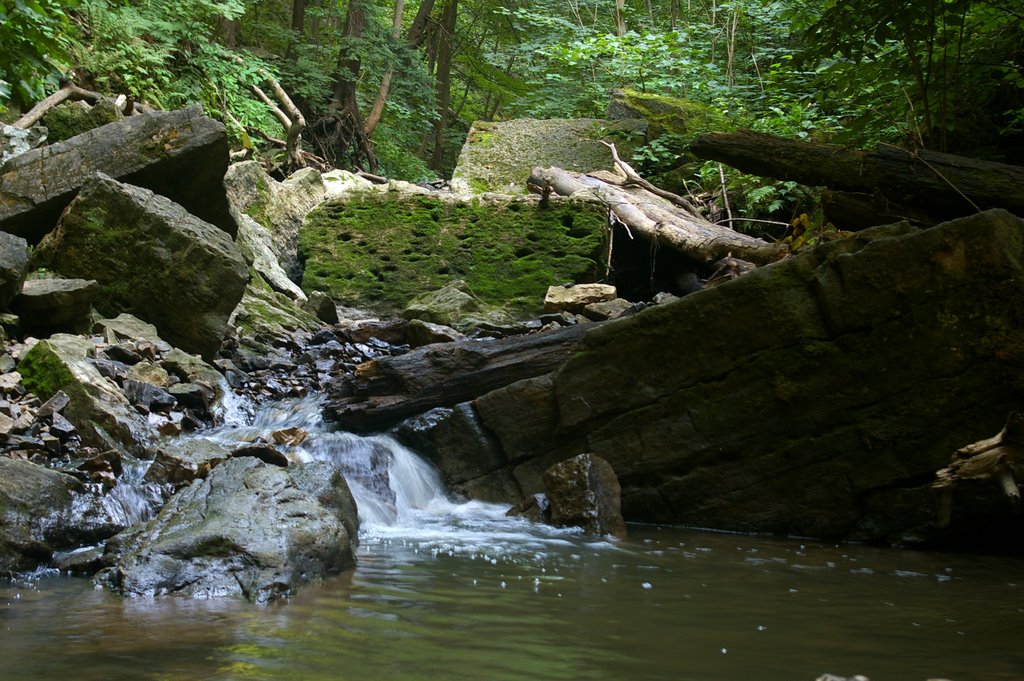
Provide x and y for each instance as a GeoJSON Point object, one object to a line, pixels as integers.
{"type": "Point", "coordinates": [381, 251]}
{"type": "Point", "coordinates": [672, 115]}
{"type": "Point", "coordinates": [43, 372]}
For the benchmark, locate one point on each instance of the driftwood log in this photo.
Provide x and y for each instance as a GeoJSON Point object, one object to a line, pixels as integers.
{"type": "Point", "coordinates": [656, 218]}
{"type": "Point", "coordinates": [386, 390]}
{"type": "Point", "coordinates": [998, 458]}
{"type": "Point", "coordinates": [942, 186]}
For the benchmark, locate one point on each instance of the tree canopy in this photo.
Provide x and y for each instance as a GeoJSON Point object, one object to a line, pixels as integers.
{"type": "Point", "coordinates": [392, 86]}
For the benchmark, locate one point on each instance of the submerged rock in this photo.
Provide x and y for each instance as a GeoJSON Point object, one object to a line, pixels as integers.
{"type": "Point", "coordinates": [584, 492]}
{"type": "Point", "coordinates": [249, 529]}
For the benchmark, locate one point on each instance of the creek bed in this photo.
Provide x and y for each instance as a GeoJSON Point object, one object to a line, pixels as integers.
{"type": "Point", "coordinates": [449, 591]}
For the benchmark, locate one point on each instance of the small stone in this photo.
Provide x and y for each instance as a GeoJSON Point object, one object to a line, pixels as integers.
{"type": "Point", "coordinates": [263, 452]}
{"type": "Point", "coordinates": [289, 436]}
{"type": "Point", "coordinates": [147, 372]}
{"type": "Point", "coordinates": [123, 353]}
{"type": "Point", "coordinates": [54, 405]}
{"type": "Point", "coordinates": [10, 382]}
{"type": "Point", "coordinates": [6, 425]}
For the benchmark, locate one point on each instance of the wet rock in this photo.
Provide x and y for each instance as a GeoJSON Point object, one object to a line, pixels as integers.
{"type": "Point", "coordinates": [249, 530]}
{"type": "Point", "coordinates": [177, 465]}
{"type": "Point", "coordinates": [103, 468]}
{"type": "Point", "coordinates": [147, 396]}
{"type": "Point", "coordinates": [178, 154]}
{"type": "Point", "coordinates": [535, 507]}
{"type": "Point", "coordinates": [48, 306]}
{"type": "Point", "coordinates": [575, 299]}
{"type": "Point", "coordinates": [155, 261]}
{"type": "Point", "coordinates": [13, 267]}
{"type": "Point", "coordinates": [148, 372]}
{"type": "Point", "coordinates": [584, 492]}
{"type": "Point", "coordinates": [266, 453]}
{"type": "Point", "coordinates": [289, 436]}
{"type": "Point", "coordinates": [35, 505]}
{"type": "Point", "coordinates": [115, 371]}
{"type": "Point", "coordinates": [194, 396]}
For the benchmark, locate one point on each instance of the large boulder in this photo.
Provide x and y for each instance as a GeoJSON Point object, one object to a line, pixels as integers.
{"type": "Point", "coordinates": [816, 396]}
{"type": "Point", "coordinates": [256, 243]}
{"type": "Point", "coordinates": [182, 155]}
{"type": "Point", "coordinates": [152, 259]}
{"type": "Point", "coordinates": [381, 248]}
{"type": "Point", "coordinates": [43, 511]}
{"type": "Point", "coordinates": [455, 305]}
{"type": "Point", "coordinates": [13, 267]}
{"type": "Point", "coordinates": [249, 529]}
{"type": "Point", "coordinates": [279, 207]}
{"type": "Point", "coordinates": [101, 413]}
{"type": "Point", "coordinates": [499, 156]}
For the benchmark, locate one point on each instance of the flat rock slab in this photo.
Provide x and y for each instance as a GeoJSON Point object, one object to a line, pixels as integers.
{"type": "Point", "coordinates": [499, 156]}
{"type": "Point", "coordinates": [181, 154]}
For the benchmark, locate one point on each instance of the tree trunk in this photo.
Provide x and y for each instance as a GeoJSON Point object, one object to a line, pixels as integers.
{"type": "Point", "coordinates": [373, 118]}
{"type": "Point", "coordinates": [657, 219]}
{"type": "Point", "coordinates": [620, 21]}
{"type": "Point", "coordinates": [418, 28]}
{"type": "Point", "coordinates": [444, 80]}
{"type": "Point", "coordinates": [298, 17]}
{"type": "Point", "coordinates": [944, 185]}
{"type": "Point", "coordinates": [387, 390]}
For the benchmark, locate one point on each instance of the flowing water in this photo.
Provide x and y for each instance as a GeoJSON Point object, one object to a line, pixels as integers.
{"type": "Point", "coordinates": [457, 591]}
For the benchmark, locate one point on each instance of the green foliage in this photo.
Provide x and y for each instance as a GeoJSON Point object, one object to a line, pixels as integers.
{"type": "Point", "coordinates": [35, 41]}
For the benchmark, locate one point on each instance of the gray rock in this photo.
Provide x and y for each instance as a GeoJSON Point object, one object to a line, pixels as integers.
{"type": "Point", "coordinates": [155, 261]}
{"type": "Point", "coordinates": [256, 243]}
{"type": "Point", "coordinates": [422, 333]}
{"type": "Point", "coordinates": [126, 327]}
{"type": "Point", "coordinates": [248, 529]}
{"type": "Point", "coordinates": [49, 306]}
{"type": "Point", "coordinates": [610, 309]}
{"type": "Point", "coordinates": [182, 155]}
{"type": "Point", "coordinates": [455, 305]}
{"type": "Point", "coordinates": [96, 406]}
{"type": "Point", "coordinates": [179, 463]}
{"type": "Point", "coordinates": [816, 396]}
{"type": "Point", "coordinates": [322, 306]}
{"type": "Point", "coordinates": [584, 492]}
{"type": "Point", "coordinates": [279, 207]}
{"type": "Point", "coordinates": [13, 267]}
{"type": "Point", "coordinates": [15, 141]}
{"type": "Point", "coordinates": [35, 503]}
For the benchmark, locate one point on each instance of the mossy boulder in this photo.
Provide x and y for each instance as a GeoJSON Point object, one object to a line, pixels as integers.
{"type": "Point", "coordinates": [816, 396]}
{"type": "Point", "coordinates": [379, 250]}
{"type": "Point", "coordinates": [498, 156]}
{"type": "Point", "coordinates": [264, 315]}
{"type": "Point", "coordinates": [664, 114]}
{"type": "Point", "coordinates": [152, 259]}
{"type": "Point", "coordinates": [73, 118]}
{"type": "Point", "coordinates": [98, 409]}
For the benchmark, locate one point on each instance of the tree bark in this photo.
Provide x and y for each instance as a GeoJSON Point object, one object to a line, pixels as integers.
{"type": "Point", "coordinates": [373, 118]}
{"type": "Point", "coordinates": [657, 219]}
{"type": "Point", "coordinates": [387, 390]}
{"type": "Point", "coordinates": [945, 185]}
{"type": "Point", "coordinates": [444, 80]}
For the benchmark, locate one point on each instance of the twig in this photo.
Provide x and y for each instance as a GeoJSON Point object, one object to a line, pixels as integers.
{"type": "Point", "coordinates": [725, 193]}
{"type": "Point", "coordinates": [634, 177]}
{"type": "Point", "coordinates": [766, 222]}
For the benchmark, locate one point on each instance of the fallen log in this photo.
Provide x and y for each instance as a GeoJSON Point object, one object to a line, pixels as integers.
{"type": "Point", "coordinates": [386, 390]}
{"type": "Point", "coordinates": [946, 185]}
{"type": "Point", "coordinates": [657, 219]}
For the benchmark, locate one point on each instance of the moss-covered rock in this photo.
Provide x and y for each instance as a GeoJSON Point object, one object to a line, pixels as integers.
{"type": "Point", "coordinates": [664, 114]}
{"type": "Point", "coordinates": [379, 250]}
{"type": "Point", "coordinates": [73, 118]}
{"type": "Point", "coordinates": [498, 157]}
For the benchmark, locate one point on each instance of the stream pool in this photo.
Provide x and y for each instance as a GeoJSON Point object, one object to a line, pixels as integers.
{"type": "Point", "coordinates": [447, 591]}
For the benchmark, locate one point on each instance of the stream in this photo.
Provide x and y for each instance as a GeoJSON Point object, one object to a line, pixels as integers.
{"type": "Point", "coordinates": [447, 590]}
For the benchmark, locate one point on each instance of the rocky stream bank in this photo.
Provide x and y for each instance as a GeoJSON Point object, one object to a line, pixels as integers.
{"type": "Point", "coordinates": [815, 396]}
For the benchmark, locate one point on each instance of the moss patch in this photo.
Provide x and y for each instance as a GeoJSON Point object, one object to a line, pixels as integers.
{"type": "Point", "coordinates": [667, 115]}
{"type": "Point", "coordinates": [382, 250]}
{"type": "Point", "coordinates": [43, 372]}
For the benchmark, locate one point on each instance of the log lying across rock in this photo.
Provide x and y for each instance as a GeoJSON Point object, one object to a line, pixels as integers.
{"type": "Point", "coordinates": [656, 218]}
{"type": "Point", "coordinates": [928, 186]}
{"type": "Point", "coordinates": [389, 389]}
